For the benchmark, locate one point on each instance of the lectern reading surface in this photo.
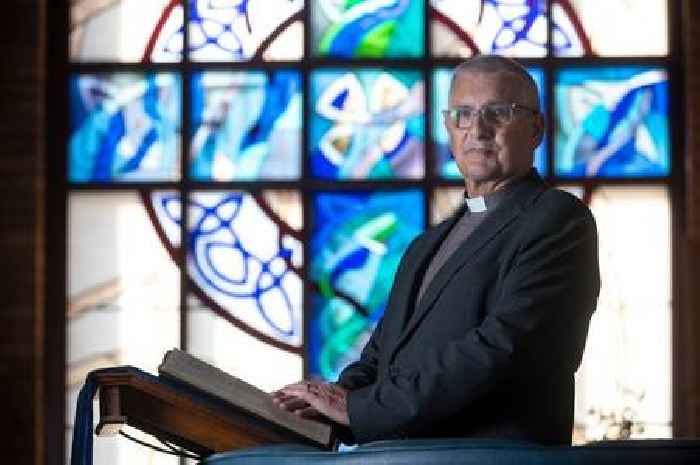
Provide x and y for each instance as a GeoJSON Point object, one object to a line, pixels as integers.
{"type": "Point", "coordinates": [188, 417]}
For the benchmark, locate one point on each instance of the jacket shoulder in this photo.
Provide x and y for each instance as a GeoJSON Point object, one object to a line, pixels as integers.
{"type": "Point", "coordinates": [555, 210]}
{"type": "Point", "coordinates": [555, 201]}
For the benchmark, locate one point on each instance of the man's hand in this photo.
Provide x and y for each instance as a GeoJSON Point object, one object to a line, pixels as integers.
{"type": "Point", "coordinates": [314, 398]}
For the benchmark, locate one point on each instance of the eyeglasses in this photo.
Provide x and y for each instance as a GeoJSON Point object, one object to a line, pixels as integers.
{"type": "Point", "coordinates": [493, 114]}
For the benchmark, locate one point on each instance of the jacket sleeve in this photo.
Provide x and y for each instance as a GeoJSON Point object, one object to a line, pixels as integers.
{"type": "Point", "coordinates": [549, 293]}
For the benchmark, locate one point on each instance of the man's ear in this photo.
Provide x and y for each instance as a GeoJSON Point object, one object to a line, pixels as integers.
{"type": "Point", "coordinates": [538, 130]}
{"type": "Point", "coordinates": [449, 131]}
{"type": "Point", "coordinates": [445, 123]}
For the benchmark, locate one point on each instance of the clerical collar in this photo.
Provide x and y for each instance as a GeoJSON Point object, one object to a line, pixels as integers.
{"type": "Point", "coordinates": [476, 204]}
{"type": "Point", "coordinates": [486, 202]}
{"type": "Point", "coordinates": [490, 201]}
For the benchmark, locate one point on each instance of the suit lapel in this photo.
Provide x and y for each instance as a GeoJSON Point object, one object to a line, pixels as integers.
{"type": "Point", "coordinates": [407, 282]}
{"type": "Point", "coordinates": [422, 259]}
{"type": "Point", "coordinates": [495, 222]}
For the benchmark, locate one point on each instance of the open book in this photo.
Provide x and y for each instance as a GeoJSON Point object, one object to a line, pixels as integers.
{"type": "Point", "coordinates": [190, 370]}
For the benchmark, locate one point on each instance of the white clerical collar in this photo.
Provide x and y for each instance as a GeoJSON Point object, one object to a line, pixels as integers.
{"type": "Point", "coordinates": [490, 201]}
{"type": "Point", "coordinates": [476, 204]}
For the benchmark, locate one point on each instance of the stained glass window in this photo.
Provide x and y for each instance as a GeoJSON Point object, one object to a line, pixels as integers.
{"type": "Point", "coordinates": [356, 245]}
{"type": "Point", "coordinates": [367, 124]}
{"type": "Point", "coordinates": [613, 28]}
{"type": "Point", "coordinates": [445, 165]}
{"type": "Point", "coordinates": [246, 125]}
{"type": "Point", "coordinates": [124, 127]}
{"type": "Point", "coordinates": [499, 27]}
{"type": "Point", "coordinates": [626, 370]}
{"type": "Point", "coordinates": [444, 202]}
{"type": "Point", "coordinates": [612, 122]}
{"type": "Point", "coordinates": [213, 339]}
{"type": "Point", "coordinates": [245, 259]}
{"type": "Point", "coordinates": [126, 30]}
{"type": "Point", "coordinates": [306, 173]}
{"type": "Point", "coordinates": [241, 30]}
{"type": "Point", "coordinates": [123, 296]}
{"type": "Point", "coordinates": [367, 28]}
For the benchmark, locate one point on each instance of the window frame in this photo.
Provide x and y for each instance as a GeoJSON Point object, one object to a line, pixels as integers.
{"type": "Point", "coordinates": [59, 188]}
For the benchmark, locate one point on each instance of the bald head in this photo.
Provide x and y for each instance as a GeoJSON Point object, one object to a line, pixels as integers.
{"type": "Point", "coordinates": [487, 64]}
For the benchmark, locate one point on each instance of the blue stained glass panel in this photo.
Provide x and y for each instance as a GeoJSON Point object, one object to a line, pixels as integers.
{"type": "Point", "coordinates": [124, 127]}
{"type": "Point", "coordinates": [357, 243]}
{"type": "Point", "coordinates": [241, 30]}
{"type": "Point", "coordinates": [367, 124]}
{"type": "Point", "coordinates": [368, 28]}
{"type": "Point", "coordinates": [444, 164]}
{"type": "Point", "coordinates": [246, 125]}
{"type": "Point", "coordinates": [612, 122]}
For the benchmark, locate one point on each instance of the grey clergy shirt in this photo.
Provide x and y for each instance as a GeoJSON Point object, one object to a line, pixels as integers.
{"type": "Point", "coordinates": [473, 213]}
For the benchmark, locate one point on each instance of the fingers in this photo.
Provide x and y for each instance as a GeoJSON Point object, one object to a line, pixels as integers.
{"type": "Point", "coordinates": [312, 397]}
{"type": "Point", "coordinates": [303, 389]}
{"type": "Point", "coordinates": [289, 402]}
{"type": "Point", "coordinates": [293, 403]}
{"type": "Point", "coordinates": [311, 413]}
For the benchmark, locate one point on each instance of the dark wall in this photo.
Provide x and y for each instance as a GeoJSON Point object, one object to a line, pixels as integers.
{"type": "Point", "coordinates": [687, 317]}
{"type": "Point", "coordinates": [22, 71]}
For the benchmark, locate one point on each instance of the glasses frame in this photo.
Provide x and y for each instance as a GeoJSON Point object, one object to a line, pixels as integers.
{"type": "Point", "coordinates": [452, 118]}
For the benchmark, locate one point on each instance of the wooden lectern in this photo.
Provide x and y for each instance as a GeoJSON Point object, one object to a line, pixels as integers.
{"type": "Point", "coordinates": [180, 416]}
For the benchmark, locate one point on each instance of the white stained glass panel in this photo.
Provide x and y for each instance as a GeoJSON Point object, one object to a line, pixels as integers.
{"type": "Point", "coordinates": [626, 369]}
{"type": "Point", "coordinates": [126, 31]}
{"type": "Point", "coordinates": [123, 300]}
{"type": "Point", "coordinates": [218, 342]}
{"type": "Point", "coordinates": [245, 257]}
{"type": "Point", "coordinates": [221, 30]}
{"type": "Point", "coordinates": [610, 28]}
{"type": "Point", "coordinates": [515, 28]}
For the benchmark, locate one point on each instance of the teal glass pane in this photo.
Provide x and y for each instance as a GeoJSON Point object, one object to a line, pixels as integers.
{"type": "Point", "coordinates": [126, 31]}
{"type": "Point", "coordinates": [124, 127]}
{"type": "Point", "coordinates": [465, 28]}
{"type": "Point", "coordinates": [612, 122]}
{"type": "Point", "coordinates": [443, 162]}
{"type": "Point", "coordinates": [358, 240]}
{"type": "Point", "coordinates": [367, 124]}
{"type": "Point", "coordinates": [246, 125]}
{"type": "Point", "coordinates": [242, 30]}
{"type": "Point", "coordinates": [367, 28]}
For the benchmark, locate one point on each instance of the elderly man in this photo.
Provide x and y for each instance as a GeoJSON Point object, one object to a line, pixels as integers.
{"type": "Point", "coordinates": [488, 315]}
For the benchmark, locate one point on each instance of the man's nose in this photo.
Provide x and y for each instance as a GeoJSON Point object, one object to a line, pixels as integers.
{"type": "Point", "coordinates": [479, 129]}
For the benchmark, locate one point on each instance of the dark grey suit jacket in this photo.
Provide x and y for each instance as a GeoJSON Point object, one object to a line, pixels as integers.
{"type": "Point", "coordinates": [492, 347]}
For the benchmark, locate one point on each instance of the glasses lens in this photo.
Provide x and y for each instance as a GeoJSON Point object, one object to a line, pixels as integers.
{"type": "Point", "coordinates": [465, 116]}
{"type": "Point", "coordinates": [497, 114]}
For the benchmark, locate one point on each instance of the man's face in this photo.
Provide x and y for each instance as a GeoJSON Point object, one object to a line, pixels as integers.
{"type": "Point", "coordinates": [490, 155]}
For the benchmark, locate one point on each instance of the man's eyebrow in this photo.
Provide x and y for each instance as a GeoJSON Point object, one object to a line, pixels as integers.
{"type": "Point", "coordinates": [493, 102]}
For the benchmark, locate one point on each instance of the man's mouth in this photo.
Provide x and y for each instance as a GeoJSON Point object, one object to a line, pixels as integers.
{"type": "Point", "coordinates": [481, 150]}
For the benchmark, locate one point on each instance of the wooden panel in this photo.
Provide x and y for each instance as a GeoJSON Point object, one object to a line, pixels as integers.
{"type": "Point", "coordinates": [21, 229]}
{"type": "Point", "coordinates": [687, 322]}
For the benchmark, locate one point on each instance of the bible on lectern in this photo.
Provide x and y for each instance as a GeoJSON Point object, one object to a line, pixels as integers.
{"type": "Point", "coordinates": [197, 374]}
